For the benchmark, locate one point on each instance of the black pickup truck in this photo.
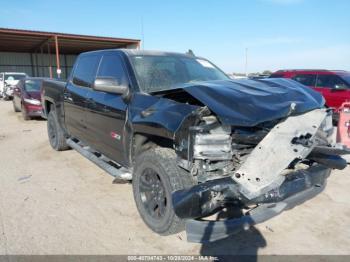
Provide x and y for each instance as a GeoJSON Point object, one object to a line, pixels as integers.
{"type": "Point", "coordinates": [194, 142]}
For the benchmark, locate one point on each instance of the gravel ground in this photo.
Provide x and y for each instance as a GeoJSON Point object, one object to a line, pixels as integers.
{"type": "Point", "coordinates": [60, 203]}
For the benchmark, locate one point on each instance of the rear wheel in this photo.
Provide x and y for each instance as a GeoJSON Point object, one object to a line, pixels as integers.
{"type": "Point", "coordinates": [56, 134]}
{"type": "Point", "coordinates": [155, 177]}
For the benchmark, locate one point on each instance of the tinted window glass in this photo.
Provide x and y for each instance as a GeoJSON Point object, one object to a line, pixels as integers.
{"type": "Point", "coordinates": [112, 66]}
{"type": "Point", "coordinates": [276, 76]}
{"type": "Point", "coordinates": [32, 85]}
{"type": "Point", "coordinates": [330, 81]}
{"type": "Point", "coordinates": [308, 80]}
{"type": "Point", "coordinates": [85, 72]}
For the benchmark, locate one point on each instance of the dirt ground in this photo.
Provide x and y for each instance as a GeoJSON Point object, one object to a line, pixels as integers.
{"type": "Point", "coordinates": [60, 203]}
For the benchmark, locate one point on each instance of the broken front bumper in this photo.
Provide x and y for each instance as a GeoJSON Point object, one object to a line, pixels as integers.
{"type": "Point", "coordinates": [305, 185]}
{"type": "Point", "coordinates": [209, 231]}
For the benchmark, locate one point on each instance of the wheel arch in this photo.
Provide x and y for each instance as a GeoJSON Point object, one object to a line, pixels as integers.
{"type": "Point", "coordinates": [144, 141]}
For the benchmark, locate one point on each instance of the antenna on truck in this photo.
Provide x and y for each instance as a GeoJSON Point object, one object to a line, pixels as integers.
{"type": "Point", "coordinates": [190, 52]}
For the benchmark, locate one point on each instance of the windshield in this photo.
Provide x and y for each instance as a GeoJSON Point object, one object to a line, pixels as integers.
{"type": "Point", "coordinates": [32, 85]}
{"type": "Point", "coordinates": [11, 77]}
{"type": "Point", "coordinates": [156, 73]}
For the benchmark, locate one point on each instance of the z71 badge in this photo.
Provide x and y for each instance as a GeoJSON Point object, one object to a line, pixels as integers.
{"type": "Point", "coordinates": [114, 135]}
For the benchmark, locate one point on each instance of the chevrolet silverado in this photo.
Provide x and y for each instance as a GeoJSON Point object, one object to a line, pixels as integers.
{"type": "Point", "coordinates": [194, 142]}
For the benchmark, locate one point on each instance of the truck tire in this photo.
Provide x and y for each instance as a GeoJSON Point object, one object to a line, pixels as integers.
{"type": "Point", "coordinates": [155, 177]}
{"type": "Point", "coordinates": [55, 133]}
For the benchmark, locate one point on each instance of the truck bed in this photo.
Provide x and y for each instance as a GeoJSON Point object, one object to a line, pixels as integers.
{"type": "Point", "coordinates": [52, 91]}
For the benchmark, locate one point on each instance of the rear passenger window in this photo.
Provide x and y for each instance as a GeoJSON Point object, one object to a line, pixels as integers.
{"type": "Point", "coordinates": [85, 72]}
{"type": "Point", "coordinates": [306, 79]}
{"type": "Point", "coordinates": [330, 81]}
{"type": "Point", "coordinates": [112, 66]}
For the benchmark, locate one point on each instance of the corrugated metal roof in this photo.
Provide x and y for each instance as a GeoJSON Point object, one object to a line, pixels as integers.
{"type": "Point", "coordinates": [15, 40]}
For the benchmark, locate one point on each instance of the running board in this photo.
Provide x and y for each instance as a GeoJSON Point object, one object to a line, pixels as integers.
{"type": "Point", "coordinates": [111, 167]}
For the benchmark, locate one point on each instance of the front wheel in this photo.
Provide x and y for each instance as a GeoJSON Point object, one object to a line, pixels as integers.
{"type": "Point", "coordinates": [156, 177]}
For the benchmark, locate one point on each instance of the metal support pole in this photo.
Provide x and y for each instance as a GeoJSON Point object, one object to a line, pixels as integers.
{"type": "Point", "coordinates": [66, 67]}
{"type": "Point", "coordinates": [49, 53]}
{"type": "Point", "coordinates": [57, 58]}
{"type": "Point", "coordinates": [42, 61]}
{"type": "Point", "coordinates": [32, 63]}
{"type": "Point", "coordinates": [37, 64]}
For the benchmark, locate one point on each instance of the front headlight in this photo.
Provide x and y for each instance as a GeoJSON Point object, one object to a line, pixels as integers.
{"type": "Point", "coordinates": [32, 101]}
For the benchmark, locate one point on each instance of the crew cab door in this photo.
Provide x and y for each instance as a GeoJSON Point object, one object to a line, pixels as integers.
{"type": "Point", "coordinates": [75, 95]}
{"type": "Point", "coordinates": [106, 112]}
{"type": "Point", "coordinates": [334, 89]}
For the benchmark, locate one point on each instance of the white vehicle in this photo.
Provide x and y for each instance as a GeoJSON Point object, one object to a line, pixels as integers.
{"type": "Point", "coordinates": [7, 81]}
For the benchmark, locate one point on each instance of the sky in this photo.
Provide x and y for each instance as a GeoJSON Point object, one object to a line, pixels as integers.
{"type": "Point", "coordinates": [277, 34]}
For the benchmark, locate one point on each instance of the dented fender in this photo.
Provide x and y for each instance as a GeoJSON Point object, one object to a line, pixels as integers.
{"type": "Point", "coordinates": [158, 116]}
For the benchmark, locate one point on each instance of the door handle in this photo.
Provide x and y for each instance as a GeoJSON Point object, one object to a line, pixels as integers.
{"type": "Point", "coordinates": [93, 105]}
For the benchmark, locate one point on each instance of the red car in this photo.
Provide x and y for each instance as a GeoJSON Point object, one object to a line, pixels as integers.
{"type": "Point", "coordinates": [334, 85]}
{"type": "Point", "coordinates": [27, 98]}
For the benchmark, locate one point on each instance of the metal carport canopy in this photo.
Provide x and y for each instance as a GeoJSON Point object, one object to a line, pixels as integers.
{"type": "Point", "coordinates": [14, 40]}
{"type": "Point", "coordinates": [27, 41]}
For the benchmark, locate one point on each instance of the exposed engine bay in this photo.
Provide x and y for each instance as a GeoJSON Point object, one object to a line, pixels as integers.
{"type": "Point", "coordinates": [254, 165]}
{"type": "Point", "coordinates": [257, 146]}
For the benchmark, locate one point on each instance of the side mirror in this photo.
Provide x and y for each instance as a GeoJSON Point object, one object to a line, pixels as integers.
{"type": "Point", "coordinates": [109, 85]}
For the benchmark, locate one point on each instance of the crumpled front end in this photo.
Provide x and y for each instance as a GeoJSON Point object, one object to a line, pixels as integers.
{"type": "Point", "coordinates": [260, 170]}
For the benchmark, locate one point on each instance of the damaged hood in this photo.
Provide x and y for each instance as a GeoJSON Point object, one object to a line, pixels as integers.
{"type": "Point", "coordinates": [251, 102]}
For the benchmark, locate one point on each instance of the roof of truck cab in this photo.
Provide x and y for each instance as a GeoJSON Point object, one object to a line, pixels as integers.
{"type": "Point", "coordinates": [138, 52]}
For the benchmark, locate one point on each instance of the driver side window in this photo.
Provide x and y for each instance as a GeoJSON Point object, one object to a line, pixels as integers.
{"type": "Point", "coordinates": [112, 66]}
{"type": "Point", "coordinates": [84, 73]}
